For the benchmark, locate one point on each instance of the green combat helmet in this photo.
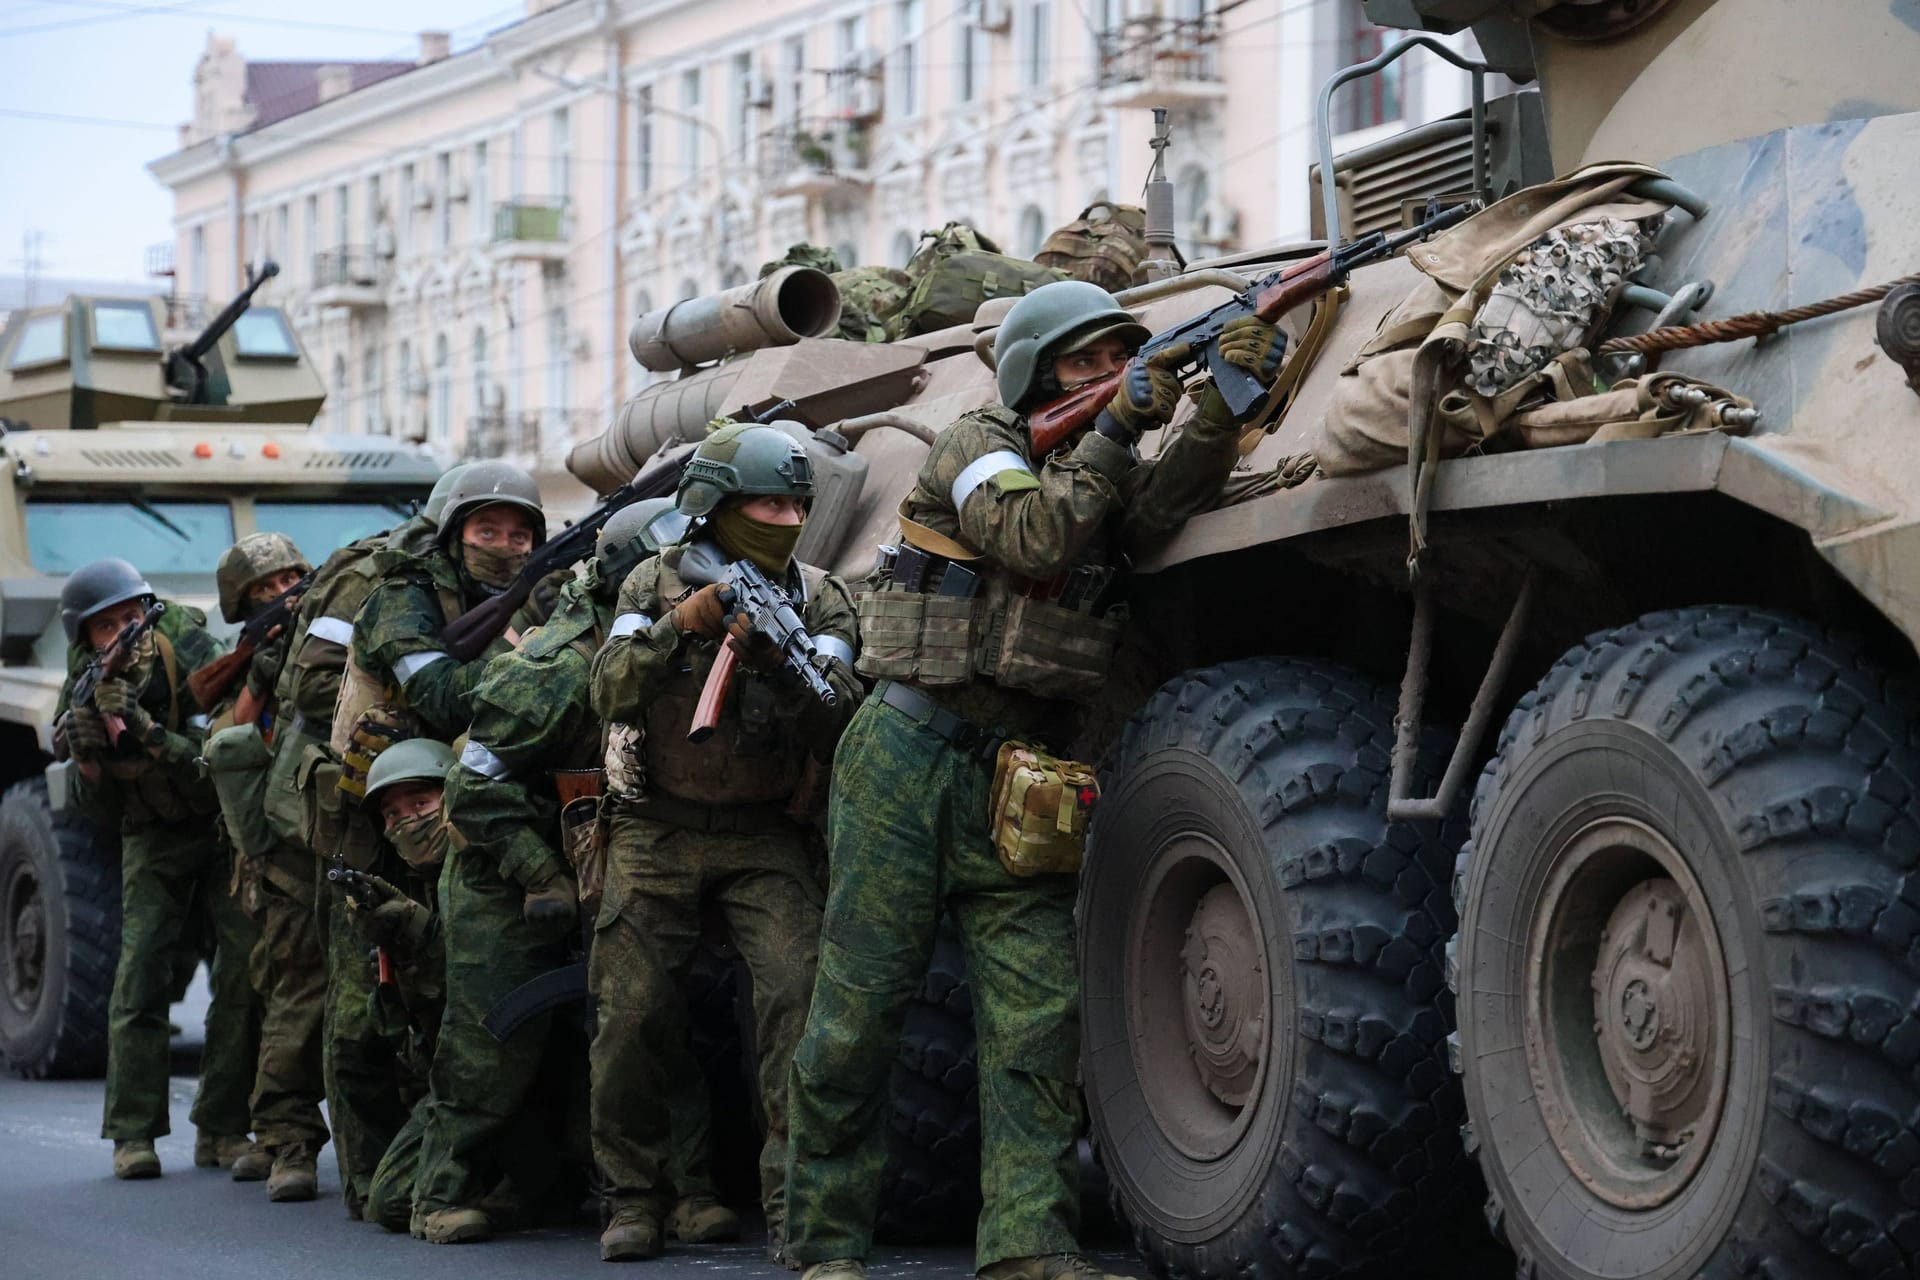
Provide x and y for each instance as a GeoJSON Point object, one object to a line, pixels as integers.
{"type": "Point", "coordinates": [246, 562]}
{"type": "Point", "coordinates": [437, 500]}
{"type": "Point", "coordinates": [743, 458]}
{"type": "Point", "coordinates": [97, 586]}
{"type": "Point", "coordinates": [627, 538]}
{"type": "Point", "coordinates": [481, 484]}
{"type": "Point", "coordinates": [415, 760]}
{"type": "Point", "coordinates": [1050, 321]}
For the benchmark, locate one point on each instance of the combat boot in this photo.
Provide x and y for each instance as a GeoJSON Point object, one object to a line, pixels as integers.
{"type": "Point", "coordinates": [702, 1219]}
{"type": "Point", "coordinates": [219, 1150]}
{"type": "Point", "coordinates": [1052, 1266]}
{"type": "Point", "coordinates": [135, 1158]}
{"type": "Point", "coordinates": [633, 1234]}
{"type": "Point", "coordinates": [252, 1164]}
{"type": "Point", "coordinates": [836, 1269]}
{"type": "Point", "coordinates": [294, 1175]}
{"type": "Point", "coordinates": [453, 1226]}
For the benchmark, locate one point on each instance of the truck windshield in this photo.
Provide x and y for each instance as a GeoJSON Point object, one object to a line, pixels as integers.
{"type": "Point", "coordinates": [321, 528]}
{"type": "Point", "coordinates": [158, 537]}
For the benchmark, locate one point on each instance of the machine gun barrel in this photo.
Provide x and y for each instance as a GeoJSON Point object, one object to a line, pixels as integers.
{"type": "Point", "coordinates": [229, 314]}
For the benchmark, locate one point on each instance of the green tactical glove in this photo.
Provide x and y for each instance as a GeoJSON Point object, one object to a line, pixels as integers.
{"type": "Point", "coordinates": [117, 698]}
{"type": "Point", "coordinates": [1252, 344]}
{"type": "Point", "coordinates": [1148, 395]}
{"type": "Point", "coordinates": [553, 903]}
{"type": "Point", "coordinates": [388, 917]}
{"type": "Point", "coordinates": [84, 733]}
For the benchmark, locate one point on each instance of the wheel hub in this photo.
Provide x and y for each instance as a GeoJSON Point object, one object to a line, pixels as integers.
{"type": "Point", "coordinates": [1657, 1045]}
{"type": "Point", "coordinates": [26, 940]}
{"type": "Point", "coordinates": [1628, 1016]}
{"type": "Point", "coordinates": [1226, 996]}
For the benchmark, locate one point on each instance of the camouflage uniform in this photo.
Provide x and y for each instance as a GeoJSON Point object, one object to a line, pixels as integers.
{"type": "Point", "coordinates": [908, 831]}
{"type": "Point", "coordinates": [711, 826]}
{"type": "Point", "coordinates": [171, 866]}
{"type": "Point", "coordinates": [407, 1014]}
{"type": "Point", "coordinates": [529, 716]}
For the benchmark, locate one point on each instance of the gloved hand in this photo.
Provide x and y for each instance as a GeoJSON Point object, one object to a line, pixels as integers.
{"type": "Point", "coordinates": [1252, 344]}
{"type": "Point", "coordinates": [1149, 393]}
{"type": "Point", "coordinates": [386, 917]}
{"type": "Point", "coordinates": [702, 613]}
{"type": "Point", "coordinates": [117, 698]}
{"type": "Point", "coordinates": [553, 903]}
{"type": "Point", "coordinates": [755, 649]}
{"type": "Point", "coordinates": [84, 733]}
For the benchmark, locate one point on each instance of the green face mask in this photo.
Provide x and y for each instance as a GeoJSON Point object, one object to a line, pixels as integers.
{"type": "Point", "coordinates": [768, 545]}
{"type": "Point", "coordinates": [495, 569]}
{"type": "Point", "coordinates": [421, 840]}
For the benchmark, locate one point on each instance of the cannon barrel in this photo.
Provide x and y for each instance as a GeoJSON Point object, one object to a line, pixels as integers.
{"type": "Point", "coordinates": [655, 418]}
{"type": "Point", "coordinates": [791, 304]}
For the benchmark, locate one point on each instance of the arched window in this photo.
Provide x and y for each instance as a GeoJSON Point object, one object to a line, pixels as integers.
{"type": "Point", "coordinates": [735, 276]}
{"type": "Point", "coordinates": [903, 245]}
{"type": "Point", "coordinates": [848, 255]}
{"type": "Point", "coordinates": [480, 379]}
{"type": "Point", "coordinates": [442, 389]}
{"type": "Point", "coordinates": [642, 303]}
{"type": "Point", "coordinates": [689, 288]}
{"type": "Point", "coordinates": [1033, 230]}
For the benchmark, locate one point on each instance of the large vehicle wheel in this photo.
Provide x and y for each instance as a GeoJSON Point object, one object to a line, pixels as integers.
{"type": "Point", "coordinates": [1689, 959]}
{"type": "Point", "coordinates": [59, 937]}
{"type": "Point", "coordinates": [1265, 1011]}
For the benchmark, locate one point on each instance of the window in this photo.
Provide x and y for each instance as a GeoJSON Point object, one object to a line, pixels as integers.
{"type": "Point", "coordinates": [482, 195]}
{"type": "Point", "coordinates": [849, 255]}
{"type": "Point", "coordinates": [1033, 230]}
{"type": "Point", "coordinates": [1378, 99]}
{"type": "Point", "coordinates": [403, 373]}
{"type": "Point", "coordinates": [793, 85]}
{"type": "Point", "coordinates": [443, 199]}
{"type": "Point", "coordinates": [559, 362]}
{"type": "Point", "coordinates": [166, 537]}
{"type": "Point", "coordinates": [254, 249]}
{"type": "Point", "coordinates": [262, 333]}
{"type": "Point", "coordinates": [690, 127]}
{"type": "Point", "coordinates": [689, 288]}
{"type": "Point", "coordinates": [442, 389]}
{"type": "Point", "coordinates": [342, 213]}
{"type": "Point", "coordinates": [1034, 38]}
{"type": "Point", "coordinates": [908, 23]}
{"type": "Point", "coordinates": [197, 262]}
{"type": "Point", "coordinates": [903, 243]}
{"type": "Point", "coordinates": [373, 393]}
{"type": "Point", "coordinates": [406, 208]}
{"type": "Point", "coordinates": [42, 340]}
{"type": "Point", "coordinates": [124, 326]}
{"type": "Point", "coordinates": [851, 42]}
{"type": "Point", "coordinates": [560, 162]}
{"type": "Point", "coordinates": [970, 68]}
{"type": "Point", "coordinates": [374, 211]}
{"type": "Point", "coordinates": [480, 397]}
{"type": "Point", "coordinates": [1195, 191]}
{"type": "Point", "coordinates": [319, 528]}
{"type": "Point", "coordinates": [643, 139]}
{"type": "Point", "coordinates": [310, 226]}
{"type": "Point", "coordinates": [282, 233]}
{"type": "Point", "coordinates": [743, 86]}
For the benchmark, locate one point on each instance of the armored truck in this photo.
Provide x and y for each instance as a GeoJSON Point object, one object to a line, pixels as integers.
{"type": "Point", "coordinates": [1504, 836]}
{"type": "Point", "coordinates": [114, 445]}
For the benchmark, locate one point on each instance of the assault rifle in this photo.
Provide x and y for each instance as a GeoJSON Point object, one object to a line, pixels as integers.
{"type": "Point", "coordinates": [748, 592]}
{"type": "Point", "coordinates": [210, 683]}
{"type": "Point", "coordinates": [110, 662]}
{"type": "Point", "coordinates": [359, 886]}
{"type": "Point", "coordinates": [1196, 343]}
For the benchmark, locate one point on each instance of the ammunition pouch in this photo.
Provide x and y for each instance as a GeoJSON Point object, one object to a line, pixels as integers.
{"type": "Point", "coordinates": [582, 836]}
{"type": "Point", "coordinates": [238, 761]}
{"type": "Point", "coordinates": [1039, 811]}
{"type": "Point", "coordinates": [332, 823]}
{"type": "Point", "coordinates": [626, 759]}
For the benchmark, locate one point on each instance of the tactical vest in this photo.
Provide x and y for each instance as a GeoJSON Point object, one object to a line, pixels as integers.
{"type": "Point", "coordinates": [755, 756]}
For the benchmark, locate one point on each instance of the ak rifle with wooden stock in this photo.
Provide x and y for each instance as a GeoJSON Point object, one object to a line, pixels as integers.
{"type": "Point", "coordinates": [1195, 344]}
{"type": "Point", "coordinates": [111, 663]}
{"type": "Point", "coordinates": [210, 683]}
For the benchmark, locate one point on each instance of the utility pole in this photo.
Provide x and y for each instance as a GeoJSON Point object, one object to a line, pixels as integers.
{"type": "Point", "coordinates": [31, 242]}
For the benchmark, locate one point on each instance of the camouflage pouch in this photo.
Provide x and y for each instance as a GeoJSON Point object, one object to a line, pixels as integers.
{"type": "Point", "coordinates": [1038, 816]}
{"type": "Point", "coordinates": [1056, 652]}
{"type": "Point", "coordinates": [1105, 245]}
{"type": "Point", "coordinates": [626, 760]}
{"type": "Point", "coordinates": [910, 635]}
{"type": "Point", "coordinates": [580, 831]}
{"type": "Point", "coordinates": [237, 763]}
{"type": "Point", "coordinates": [379, 727]}
{"type": "Point", "coordinates": [332, 824]}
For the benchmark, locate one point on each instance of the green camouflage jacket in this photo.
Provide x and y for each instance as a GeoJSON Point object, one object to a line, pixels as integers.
{"type": "Point", "coordinates": [531, 715]}
{"type": "Point", "coordinates": [396, 638]}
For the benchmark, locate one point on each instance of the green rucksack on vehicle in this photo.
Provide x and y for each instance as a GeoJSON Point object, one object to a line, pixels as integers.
{"type": "Point", "coordinates": [868, 298]}
{"type": "Point", "coordinates": [1105, 245]}
{"type": "Point", "coordinates": [954, 270]}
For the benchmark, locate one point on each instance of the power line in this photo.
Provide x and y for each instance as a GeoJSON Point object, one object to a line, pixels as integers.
{"type": "Point", "coordinates": [192, 9]}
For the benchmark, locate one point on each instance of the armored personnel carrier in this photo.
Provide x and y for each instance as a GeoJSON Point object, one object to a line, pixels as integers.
{"type": "Point", "coordinates": [1647, 991]}
{"type": "Point", "coordinates": [116, 446]}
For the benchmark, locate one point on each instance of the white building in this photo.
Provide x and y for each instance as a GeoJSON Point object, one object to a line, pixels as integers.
{"type": "Point", "coordinates": [465, 239]}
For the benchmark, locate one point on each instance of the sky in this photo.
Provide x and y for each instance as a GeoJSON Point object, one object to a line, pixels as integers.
{"type": "Point", "coordinates": [117, 76]}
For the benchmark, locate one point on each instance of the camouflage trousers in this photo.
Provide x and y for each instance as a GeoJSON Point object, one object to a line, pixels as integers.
{"type": "Point", "coordinates": [907, 829]}
{"type": "Point", "coordinates": [649, 1104]}
{"type": "Point", "coordinates": [168, 873]}
{"type": "Point", "coordinates": [390, 1190]}
{"type": "Point", "coordinates": [479, 1088]}
{"type": "Point", "coordinates": [365, 1081]}
{"type": "Point", "coordinates": [290, 974]}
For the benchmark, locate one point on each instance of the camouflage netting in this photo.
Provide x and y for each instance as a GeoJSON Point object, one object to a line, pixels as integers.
{"type": "Point", "coordinates": [1548, 299]}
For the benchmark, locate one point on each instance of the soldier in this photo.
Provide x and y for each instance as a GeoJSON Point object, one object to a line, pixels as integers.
{"type": "Point", "coordinates": [276, 876]}
{"type": "Point", "coordinates": [145, 783]}
{"type": "Point", "coordinates": [510, 894]}
{"type": "Point", "coordinates": [992, 533]}
{"type": "Point", "coordinates": [707, 825]}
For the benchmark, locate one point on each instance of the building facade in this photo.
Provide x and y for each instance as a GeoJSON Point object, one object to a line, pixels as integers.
{"type": "Point", "coordinates": [464, 239]}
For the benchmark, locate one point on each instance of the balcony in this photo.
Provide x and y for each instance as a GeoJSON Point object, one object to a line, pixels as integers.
{"type": "Point", "coordinates": [160, 258]}
{"type": "Point", "coordinates": [531, 230]}
{"type": "Point", "coordinates": [813, 159]}
{"type": "Point", "coordinates": [351, 276]}
{"type": "Point", "coordinates": [535, 439]}
{"type": "Point", "coordinates": [1161, 62]}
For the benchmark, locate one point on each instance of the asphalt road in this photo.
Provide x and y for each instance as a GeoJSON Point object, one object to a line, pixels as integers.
{"type": "Point", "coordinates": [64, 1217]}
